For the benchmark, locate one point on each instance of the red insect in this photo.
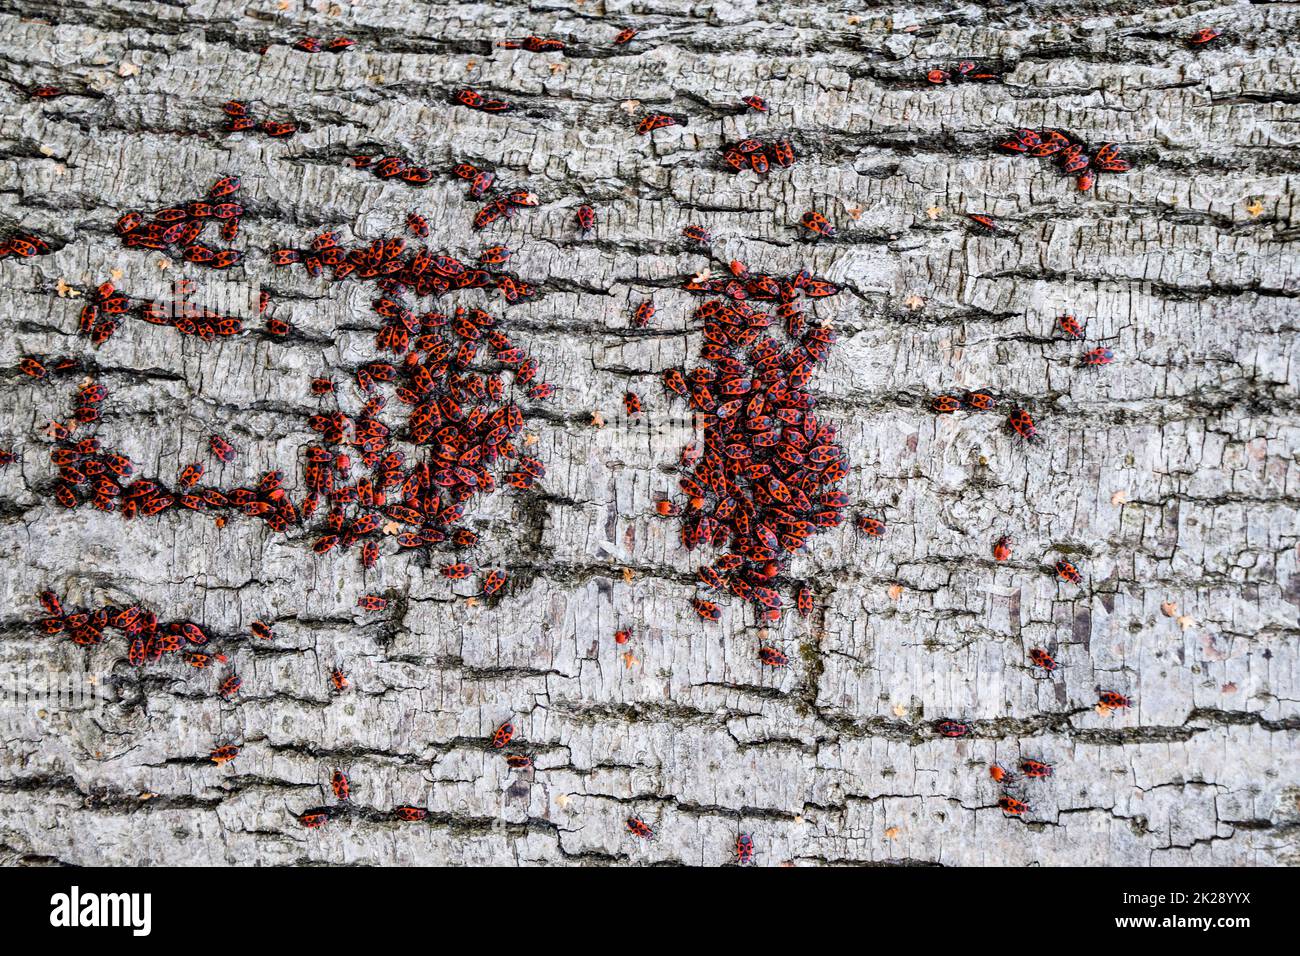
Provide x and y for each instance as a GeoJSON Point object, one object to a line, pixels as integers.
{"type": "Point", "coordinates": [1002, 549]}
{"type": "Point", "coordinates": [1108, 159]}
{"type": "Point", "coordinates": [1022, 425]}
{"type": "Point", "coordinates": [872, 527]}
{"type": "Point", "coordinates": [1111, 699]}
{"type": "Point", "coordinates": [1068, 572]}
{"type": "Point", "coordinates": [1098, 357]}
{"type": "Point", "coordinates": [221, 448]}
{"type": "Point", "coordinates": [998, 773]}
{"type": "Point", "coordinates": [952, 728]}
{"type": "Point", "coordinates": [370, 602]}
{"type": "Point", "coordinates": [1070, 326]}
{"type": "Point", "coordinates": [29, 366]}
{"type": "Point", "coordinates": [470, 98]}
{"type": "Point", "coordinates": [418, 225]}
{"type": "Point", "coordinates": [1035, 768]}
{"type": "Point", "coordinates": [756, 103]}
{"type": "Point", "coordinates": [340, 785]}
{"type": "Point", "coordinates": [261, 630]}
{"type": "Point", "coordinates": [622, 637]}
{"type": "Point", "coordinates": [707, 609]}
{"type": "Point", "coordinates": [1042, 659]}
{"type": "Point", "coordinates": [1204, 36]}
{"type": "Point", "coordinates": [224, 754]}
{"type": "Point", "coordinates": [644, 312]}
{"type": "Point", "coordinates": [230, 686]}
{"type": "Point", "coordinates": [457, 572]}
{"type": "Point", "coordinates": [502, 736]}
{"type": "Point", "coordinates": [945, 404]}
{"type": "Point", "coordinates": [804, 601]}
{"type": "Point", "coordinates": [697, 234]}
{"type": "Point", "coordinates": [632, 403]}
{"type": "Point", "coordinates": [338, 680]}
{"type": "Point", "coordinates": [816, 223]}
{"type": "Point", "coordinates": [313, 820]}
{"type": "Point", "coordinates": [772, 657]}
{"type": "Point", "coordinates": [744, 849]}
{"type": "Point", "coordinates": [978, 400]}
{"type": "Point", "coordinates": [410, 814]}
{"type": "Point", "coordinates": [494, 582]}
{"type": "Point", "coordinates": [1012, 807]}
{"type": "Point", "coordinates": [586, 218]}
{"type": "Point", "coordinates": [518, 761]}
{"type": "Point", "coordinates": [190, 475]}
{"type": "Point", "coordinates": [494, 256]}
{"type": "Point", "coordinates": [640, 828]}
{"type": "Point", "coordinates": [1051, 143]}
{"type": "Point", "coordinates": [624, 36]}
{"type": "Point", "coordinates": [653, 122]}
{"type": "Point", "coordinates": [982, 220]}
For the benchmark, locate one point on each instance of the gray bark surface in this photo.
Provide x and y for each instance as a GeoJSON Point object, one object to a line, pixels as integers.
{"type": "Point", "coordinates": [1171, 478]}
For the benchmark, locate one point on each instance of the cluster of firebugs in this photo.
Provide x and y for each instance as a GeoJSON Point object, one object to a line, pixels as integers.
{"type": "Point", "coordinates": [764, 481]}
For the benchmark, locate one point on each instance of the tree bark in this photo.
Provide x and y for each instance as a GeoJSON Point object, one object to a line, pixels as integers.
{"type": "Point", "coordinates": [1169, 478]}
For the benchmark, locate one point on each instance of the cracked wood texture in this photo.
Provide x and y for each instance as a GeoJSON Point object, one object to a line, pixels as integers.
{"type": "Point", "coordinates": [1170, 478]}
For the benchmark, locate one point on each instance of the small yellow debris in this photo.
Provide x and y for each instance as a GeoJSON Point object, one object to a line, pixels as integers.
{"type": "Point", "coordinates": [628, 575]}
{"type": "Point", "coordinates": [934, 212]}
{"type": "Point", "coordinates": [66, 291]}
{"type": "Point", "coordinates": [557, 68]}
{"type": "Point", "coordinates": [392, 528]}
{"type": "Point", "coordinates": [1186, 622]}
{"type": "Point", "coordinates": [561, 800]}
{"type": "Point", "coordinates": [471, 601]}
{"type": "Point", "coordinates": [1119, 497]}
{"type": "Point", "coordinates": [855, 212]}
{"type": "Point", "coordinates": [47, 150]}
{"type": "Point", "coordinates": [895, 592]}
{"type": "Point", "coordinates": [530, 439]}
{"type": "Point", "coordinates": [1169, 609]}
{"type": "Point", "coordinates": [164, 263]}
{"type": "Point", "coordinates": [115, 274]}
{"type": "Point", "coordinates": [597, 420]}
{"type": "Point", "coordinates": [1254, 207]}
{"type": "Point", "coordinates": [629, 660]}
{"type": "Point", "coordinates": [630, 106]}
{"type": "Point", "coordinates": [899, 710]}
{"type": "Point", "coordinates": [914, 302]}
{"type": "Point", "coordinates": [891, 833]}
{"type": "Point", "coordinates": [128, 69]}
